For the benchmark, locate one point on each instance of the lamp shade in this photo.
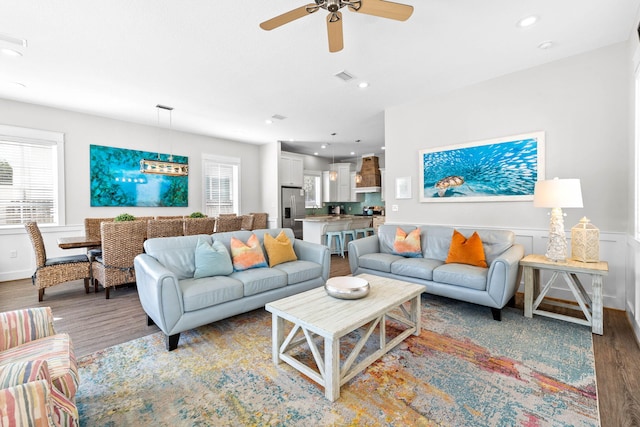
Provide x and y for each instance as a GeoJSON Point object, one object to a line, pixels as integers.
{"type": "Point", "coordinates": [557, 193]}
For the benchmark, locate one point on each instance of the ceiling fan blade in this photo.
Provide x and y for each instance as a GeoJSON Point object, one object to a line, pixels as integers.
{"type": "Point", "coordinates": [334, 29]}
{"type": "Point", "coordinates": [384, 9]}
{"type": "Point", "coordinates": [287, 17]}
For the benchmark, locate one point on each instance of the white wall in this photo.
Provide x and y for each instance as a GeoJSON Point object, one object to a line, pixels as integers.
{"type": "Point", "coordinates": [582, 105]}
{"type": "Point", "coordinates": [80, 131]}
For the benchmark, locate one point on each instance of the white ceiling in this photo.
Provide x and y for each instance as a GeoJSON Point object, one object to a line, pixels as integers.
{"type": "Point", "coordinates": [224, 76]}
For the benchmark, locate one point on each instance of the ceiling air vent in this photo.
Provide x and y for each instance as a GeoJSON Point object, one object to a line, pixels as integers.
{"type": "Point", "coordinates": [278, 117]}
{"type": "Point", "coordinates": [344, 76]}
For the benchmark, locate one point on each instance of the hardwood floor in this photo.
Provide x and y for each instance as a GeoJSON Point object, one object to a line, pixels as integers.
{"type": "Point", "coordinates": [95, 323]}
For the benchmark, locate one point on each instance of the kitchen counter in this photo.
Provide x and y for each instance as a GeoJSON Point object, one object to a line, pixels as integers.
{"type": "Point", "coordinates": [314, 228]}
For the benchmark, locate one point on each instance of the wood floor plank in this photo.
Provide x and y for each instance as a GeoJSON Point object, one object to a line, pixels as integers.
{"type": "Point", "coordinates": [95, 323]}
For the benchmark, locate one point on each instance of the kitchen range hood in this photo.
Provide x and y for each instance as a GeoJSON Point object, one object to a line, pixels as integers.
{"type": "Point", "coordinates": [367, 189]}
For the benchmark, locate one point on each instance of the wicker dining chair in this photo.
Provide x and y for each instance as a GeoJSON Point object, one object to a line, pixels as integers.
{"type": "Point", "coordinates": [165, 228]}
{"type": "Point", "coordinates": [259, 220]}
{"type": "Point", "coordinates": [247, 222]}
{"type": "Point", "coordinates": [53, 271]}
{"type": "Point", "coordinates": [194, 226]}
{"type": "Point", "coordinates": [121, 243]}
{"type": "Point", "coordinates": [228, 223]}
{"type": "Point", "coordinates": [92, 232]}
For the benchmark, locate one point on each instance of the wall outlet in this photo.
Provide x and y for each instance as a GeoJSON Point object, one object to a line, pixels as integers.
{"type": "Point", "coordinates": [13, 253]}
{"type": "Point", "coordinates": [394, 208]}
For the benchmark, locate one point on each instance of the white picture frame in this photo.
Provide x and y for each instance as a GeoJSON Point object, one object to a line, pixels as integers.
{"type": "Point", "coordinates": [403, 187]}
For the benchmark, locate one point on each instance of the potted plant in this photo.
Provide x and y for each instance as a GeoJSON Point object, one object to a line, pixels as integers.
{"type": "Point", "coordinates": [124, 217]}
{"type": "Point", "coordinates": [197, 215]}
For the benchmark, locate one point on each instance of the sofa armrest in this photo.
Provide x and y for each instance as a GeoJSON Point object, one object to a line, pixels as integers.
{"type": "Point", "coordinates": [359, 247]}
{"type": "Point", "coordinates": [314, 252]}
{"type": "Point", "coordinates": [502, 279]}
{"type": "Point", "coordinates": [26, 389]}
{"type": "Point", "coordinates": [21, 326]}
{"type": "Point", "coordinates": [159, 292]}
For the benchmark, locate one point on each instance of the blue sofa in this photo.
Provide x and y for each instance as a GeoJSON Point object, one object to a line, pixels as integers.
{"type": "Point", "coordinates": [175, 301]}
{"type": "Point", "coordinates": [493, 287]}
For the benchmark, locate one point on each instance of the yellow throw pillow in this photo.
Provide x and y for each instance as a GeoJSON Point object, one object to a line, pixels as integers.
{"type": "Point", "coordinates": [279, 250]}
{"type": "Point", "coordinates": [407, 245]}
{"type": "Point", "coordinates": [466, 251]}
{"type": "Point", "coordinates": [247, 256]}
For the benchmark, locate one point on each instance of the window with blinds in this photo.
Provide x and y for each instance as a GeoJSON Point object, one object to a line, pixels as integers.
{"type": "Point", "coordinates": [221, 194]}
{"type": "Point", "coordinates": [30, 163]}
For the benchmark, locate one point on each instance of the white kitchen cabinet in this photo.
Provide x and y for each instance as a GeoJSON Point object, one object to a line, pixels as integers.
{"type": "Point", "coordinates": [340, 189]}
{"type": "Point", "coordinates": [291, 171]}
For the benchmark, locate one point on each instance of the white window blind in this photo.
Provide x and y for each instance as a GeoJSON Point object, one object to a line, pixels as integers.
{"type": "Point", "coordinates": [29, 177]}
{"type": "Point", "coordinates": [220, 186]}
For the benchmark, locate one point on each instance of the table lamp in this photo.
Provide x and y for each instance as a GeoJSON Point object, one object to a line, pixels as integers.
{"type": "Point", "coordinates": [557, 194]}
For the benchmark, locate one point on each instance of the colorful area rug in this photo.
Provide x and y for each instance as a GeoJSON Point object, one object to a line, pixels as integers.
{"type": "Point", "coordinates": [464, 369]}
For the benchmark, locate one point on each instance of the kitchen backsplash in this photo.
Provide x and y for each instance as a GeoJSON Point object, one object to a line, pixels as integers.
{"type": "Point", "coordinates": [370, 199]}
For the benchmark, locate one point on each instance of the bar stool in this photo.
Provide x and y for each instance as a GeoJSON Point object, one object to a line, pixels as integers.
{"type": "Point", "coordinates": [365, 231]}
{"type": "Point", "coordinates": [346, 233]}
{"type": "Point", "coordinates": [339, 246]}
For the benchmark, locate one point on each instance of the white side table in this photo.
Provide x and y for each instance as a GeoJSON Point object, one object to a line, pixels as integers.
{"type": "Point", "coordinates": [533, 296]}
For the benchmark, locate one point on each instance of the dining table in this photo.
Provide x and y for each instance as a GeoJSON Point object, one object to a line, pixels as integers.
{"type": "Point", "coordinates": [74, 242]}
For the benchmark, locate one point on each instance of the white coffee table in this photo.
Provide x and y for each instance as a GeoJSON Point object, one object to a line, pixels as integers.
{"type": "Point", "coordinates": [314, 313]}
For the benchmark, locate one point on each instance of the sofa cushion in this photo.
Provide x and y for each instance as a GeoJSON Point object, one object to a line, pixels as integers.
{"type": "Point", "coordinates": [495, 242]}
{"type": "Point", "coordinates": [421, 268]}
{"type": "Point", "coordinates": [212, 260]}
{"type": "Point", "coordinates": [209, 291]}
{"type": "Point", "coordinates": [279, 249]}
{"type": "Point", "coordinates": [464, 275]}
{"type": "Point", "coordinates": [176, 253]}
{"type": "Point", "coordinates": [378, 261]}
{"type": "Point", "coordinates": [247, 255]}
{"type": "Point", "coordinates": [436, 241]}
{"type": "Point", "coordinates": [57, 350]}
{"type": "Point", "coordinates": [466, 251]}
{"type": "Point", "coordinates": [407, 244]}
{"type": "Point", "coordinates": [27, 404]}
{"type": "Point", "coordinates": [300, 271]}
{"type": "Point", "coordinates": [260, 280]}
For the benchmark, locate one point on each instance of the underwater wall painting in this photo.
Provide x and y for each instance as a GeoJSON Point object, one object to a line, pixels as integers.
{"type": "Point", "coordinates": [500, 169]}
{"type": "Point", "coordinates": [116, 179]}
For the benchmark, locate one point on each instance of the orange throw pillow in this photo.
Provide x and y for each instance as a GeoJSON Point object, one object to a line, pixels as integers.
{"type": "Point", "coordinates": [407, 245]}
{"type": "Point", "coordinates": [466, 251]}
{"type": "Point", "coordinates": [247, 256]}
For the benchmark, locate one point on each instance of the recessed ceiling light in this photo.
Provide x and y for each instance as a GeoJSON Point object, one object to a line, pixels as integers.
{"type": "Point", "coordinates": [315, 154]}
{"type": "Point", "coordinates": [527, 21]}
{"type": "Point", "coordinates": [363, 85]}
{"type": "Point", "coordinates": [545, 44]}
{"type": "Point", "coordinates": [10, 52]}
{"type": "Point", "coordinates": [383, 147]}
{"type": "Point", "coordinates": [353, 153]}
{"type": "Point", "coordinates": [323, 146]}
{"type": "Point", "coordinates": [268, 121]}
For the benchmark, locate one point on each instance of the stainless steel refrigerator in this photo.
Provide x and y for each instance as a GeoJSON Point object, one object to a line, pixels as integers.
{"type": "Point", "coordinates": [292, 209]}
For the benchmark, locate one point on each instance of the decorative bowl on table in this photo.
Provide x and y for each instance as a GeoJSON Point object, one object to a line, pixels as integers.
{"type": "Point", "coordinates": [347, 287]}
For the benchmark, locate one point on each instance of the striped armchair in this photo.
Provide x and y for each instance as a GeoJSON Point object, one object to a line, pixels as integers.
{"type": "Point", "coordinates": [38, 371]}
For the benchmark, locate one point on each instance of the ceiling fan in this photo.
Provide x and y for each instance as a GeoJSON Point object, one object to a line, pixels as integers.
{"type": "Point", "coordinates": [381, 8]}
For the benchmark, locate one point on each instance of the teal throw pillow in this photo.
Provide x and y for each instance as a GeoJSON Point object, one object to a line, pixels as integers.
{"type": "Point", "coordinates": [212, 260]}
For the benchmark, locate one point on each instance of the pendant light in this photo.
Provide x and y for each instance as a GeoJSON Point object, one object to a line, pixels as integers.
{"type": "Point", "coordinates": [158, 166]}
{"type": "Point", "coordinates": [333, 174]}
{"type": "Point", "coordinates": [358, 174]}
